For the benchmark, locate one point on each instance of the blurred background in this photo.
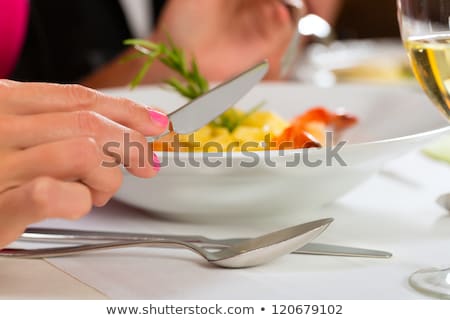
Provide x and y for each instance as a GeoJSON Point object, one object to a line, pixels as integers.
{"type": "Point", "coordinates": [366, 47]}
{"type": "Point", "coordinates": [367, 19]}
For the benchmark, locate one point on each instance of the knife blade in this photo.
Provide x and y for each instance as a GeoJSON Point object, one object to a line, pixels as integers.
{"type": "Point", "coordinates": [84, 236]}
{"type": "Point", "coordinates": [202, 110]}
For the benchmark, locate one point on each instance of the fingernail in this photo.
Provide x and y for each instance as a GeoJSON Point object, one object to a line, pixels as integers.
{"type": "Point", "coordinates": [158, 118]}
{"type": "Point", "coordinates": [156, 163]}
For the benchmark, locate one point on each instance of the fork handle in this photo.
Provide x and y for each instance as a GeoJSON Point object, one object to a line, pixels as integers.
{"type": "Point", "coordinates": [72, 250]}
{"type": "Point", "coordinates": [82, 236]}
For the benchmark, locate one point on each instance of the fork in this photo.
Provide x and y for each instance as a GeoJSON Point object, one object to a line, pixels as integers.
{"type": "Point", "coordinates": [87, 236]}
{"type": "Point", "coordinates": [242, 254]}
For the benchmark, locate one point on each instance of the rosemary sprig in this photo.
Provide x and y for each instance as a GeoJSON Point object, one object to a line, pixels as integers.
{"type": "Point", "coordinates": [192, 83]}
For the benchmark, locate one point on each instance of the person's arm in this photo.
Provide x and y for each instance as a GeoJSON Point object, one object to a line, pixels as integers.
{"type": "Point", "coordinates": [120, 73]}
{"type": "Point", "coordinates": [226, 36]}
{"type": "Point", "coordinates": [60, 146]}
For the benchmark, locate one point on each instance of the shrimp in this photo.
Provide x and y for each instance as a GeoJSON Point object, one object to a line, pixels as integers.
{"type": "Point", "coordinates": [308, 129]}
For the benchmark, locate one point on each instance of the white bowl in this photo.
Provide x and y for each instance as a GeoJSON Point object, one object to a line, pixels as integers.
{"type": "Point", "coordinates": [392, 121]}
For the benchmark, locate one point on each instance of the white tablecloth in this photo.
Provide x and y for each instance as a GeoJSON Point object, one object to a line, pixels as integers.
{"type": "Point", "coordinates": [393, 211]}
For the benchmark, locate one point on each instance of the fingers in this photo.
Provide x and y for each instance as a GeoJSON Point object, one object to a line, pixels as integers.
{"type": "Point", "coordinates": [77, 159]}
{"type": "Point", "coordinates": [118, 143]}
{"type": "Point", "coordinates": [32, 98]}
{"type": "Point", "coordinates": [38, 199]}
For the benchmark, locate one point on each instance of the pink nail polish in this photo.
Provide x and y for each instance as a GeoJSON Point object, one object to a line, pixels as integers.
{"type": "Point", "coordinates": [159, 118]}
{"type": "Point", "coordinates": [156, 163]}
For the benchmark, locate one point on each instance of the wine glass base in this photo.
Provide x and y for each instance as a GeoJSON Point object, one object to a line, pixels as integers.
{"type": "Point", "coordinates": [433, 282]}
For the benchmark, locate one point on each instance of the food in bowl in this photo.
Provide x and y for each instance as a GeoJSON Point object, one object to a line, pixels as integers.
{"type": "Point", "coordinates": [259, 130]}
{"type": "Point", "coordinates": [235, 130]}
{"type": "Point", "coordinates": [229, 192]}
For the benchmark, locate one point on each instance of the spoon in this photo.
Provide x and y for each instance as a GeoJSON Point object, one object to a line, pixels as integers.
{"type": "Point", "coordinates": [243, 254]}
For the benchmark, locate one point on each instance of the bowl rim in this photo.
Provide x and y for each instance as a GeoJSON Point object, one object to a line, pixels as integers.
{"type": "Point", "coordinates": [346, 86]}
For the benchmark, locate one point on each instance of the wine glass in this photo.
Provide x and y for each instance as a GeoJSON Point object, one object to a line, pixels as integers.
{"type": "Point", "coordinates": [425, 30]}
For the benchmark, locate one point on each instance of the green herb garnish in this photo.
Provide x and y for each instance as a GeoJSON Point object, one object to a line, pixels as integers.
{"type": "Point", "coordinates": [232, 118]}
{"type": "Point", "coordinates": [173, 57]}
{"type": "Point", "coordinates": [192, 83]}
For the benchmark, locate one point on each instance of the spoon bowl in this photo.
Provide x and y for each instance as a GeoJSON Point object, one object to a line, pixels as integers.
{"type": "Point", "coordinates": [242, 254]}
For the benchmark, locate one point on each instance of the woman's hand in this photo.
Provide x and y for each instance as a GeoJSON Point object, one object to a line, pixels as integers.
{"type": "Point", "coordinates": [53, 159]}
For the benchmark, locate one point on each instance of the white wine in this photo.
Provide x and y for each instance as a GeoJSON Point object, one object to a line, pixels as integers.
{"type": "Point", "coordinates": [430, 59]}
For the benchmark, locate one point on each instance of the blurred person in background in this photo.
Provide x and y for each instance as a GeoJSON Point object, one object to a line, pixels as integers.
{"type": "Point", "coordinates": [82, 41]}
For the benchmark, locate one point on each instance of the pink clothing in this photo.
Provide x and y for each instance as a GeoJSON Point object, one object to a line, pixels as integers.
{"type": "Point", "coordinates": [13, 25]}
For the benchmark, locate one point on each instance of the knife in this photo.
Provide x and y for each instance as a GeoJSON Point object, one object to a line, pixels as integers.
{"type": "Point", "coordinates": [205, 108]}
{"type": "Point", "coordinates": [83, 236]}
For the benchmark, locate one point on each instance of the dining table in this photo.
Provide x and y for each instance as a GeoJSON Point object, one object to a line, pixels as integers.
{"type": "Point", "coordinates": [394, 210]}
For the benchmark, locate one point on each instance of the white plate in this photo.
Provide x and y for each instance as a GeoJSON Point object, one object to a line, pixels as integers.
{"type": "Point", "coordinates": [393, 120]}
{"type": "Point", "coordinates": [369, 61]}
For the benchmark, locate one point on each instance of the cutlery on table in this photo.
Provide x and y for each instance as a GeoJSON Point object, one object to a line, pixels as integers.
{"type": "Point", "coordinates": [242, 254]}
{"type": "Point", "coordinates": [85, 236]}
